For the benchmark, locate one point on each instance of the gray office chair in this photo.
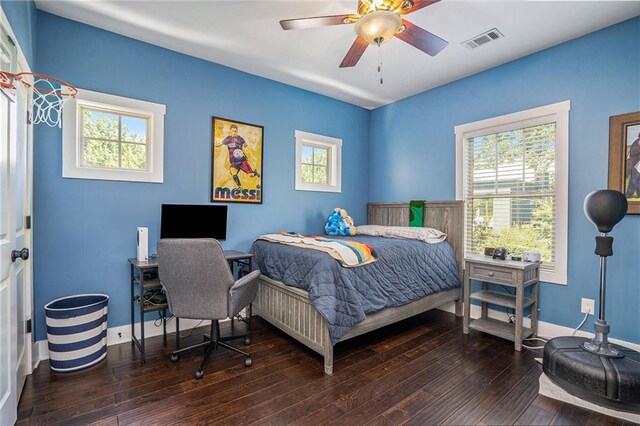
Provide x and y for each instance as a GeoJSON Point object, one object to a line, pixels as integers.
{"type": "Point", "coordinates": [199, 285]}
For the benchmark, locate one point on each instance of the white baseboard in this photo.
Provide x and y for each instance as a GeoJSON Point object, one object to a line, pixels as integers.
{"type": "Point", "coordinates": [122, 334]}
{"type": "Point", "coordinates": [35, 356]}
{"type": "Point", "coordinates": [545, 329]}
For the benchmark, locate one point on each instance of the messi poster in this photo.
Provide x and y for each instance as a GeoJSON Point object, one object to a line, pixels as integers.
{"type": "Point", "coordinates": [236, 165]}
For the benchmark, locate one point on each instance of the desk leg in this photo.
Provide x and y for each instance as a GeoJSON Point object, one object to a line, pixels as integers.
{"type": "Point", "coordinates": [233, 275]}
{"type": "Point", "coordinates": [250, 336]}
{"type": "Point", "coordinates": [466, 301]}
{"type": "Point", "coordinates": [132, 307]}
{"type": "Point", "coordinates": [142, 345]}
{"type": "Point", "coordinates": [164, 327]}
{"type": "Point", "coordinates": [177, 334]}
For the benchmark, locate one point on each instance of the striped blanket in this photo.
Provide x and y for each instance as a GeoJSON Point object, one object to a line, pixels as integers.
{"type": "Point", "coordinates": [349, 253]}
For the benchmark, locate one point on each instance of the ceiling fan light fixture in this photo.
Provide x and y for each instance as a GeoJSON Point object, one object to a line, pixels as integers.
{"type": "Point", "coordinates": [378, 27]}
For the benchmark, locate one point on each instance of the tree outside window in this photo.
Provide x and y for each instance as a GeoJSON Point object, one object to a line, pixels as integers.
{"type": "Point", "coordinates": [114, 141]}
{"type": "Point", "coordinates": [315, 164]}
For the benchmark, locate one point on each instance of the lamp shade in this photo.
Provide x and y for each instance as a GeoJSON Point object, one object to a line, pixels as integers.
{"type": "Point", "coordinates": [379, 26]}
{"type": "Point", "coordinates": [605, 208]}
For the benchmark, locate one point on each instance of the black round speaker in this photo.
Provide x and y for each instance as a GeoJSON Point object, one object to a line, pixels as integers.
{"type": "Point", "coordinates": [605, 208]}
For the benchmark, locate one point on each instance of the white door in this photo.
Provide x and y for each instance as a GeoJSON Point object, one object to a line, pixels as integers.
{"type": "Point", "coordinates": [8, 290]}
{"type": "Point", "coordinates": [20, 190]}
{"type": "Point", "coordinates": [15, 269]}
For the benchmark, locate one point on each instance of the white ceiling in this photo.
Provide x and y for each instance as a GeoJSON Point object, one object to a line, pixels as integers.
{"type": "Point", "coordinates": [246, 35]}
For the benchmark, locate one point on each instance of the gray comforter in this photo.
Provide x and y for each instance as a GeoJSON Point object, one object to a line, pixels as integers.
{"type": "Point", "coordinates": [406, 270]}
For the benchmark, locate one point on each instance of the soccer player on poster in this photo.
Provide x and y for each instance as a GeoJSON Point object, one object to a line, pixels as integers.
{"type": "Point", "coordinates": [237, 159]}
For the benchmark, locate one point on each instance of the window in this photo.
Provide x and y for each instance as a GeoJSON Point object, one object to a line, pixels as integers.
{"type": "Point", "coordinates": [318, 163]}
{"type": "Point", "coordinates": [113, 138]}
{"type": "Point", "coordinates": [512, 173]}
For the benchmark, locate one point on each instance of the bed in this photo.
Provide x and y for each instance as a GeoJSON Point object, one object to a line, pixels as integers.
{"type": "Point", "coordinates": [290, 308]}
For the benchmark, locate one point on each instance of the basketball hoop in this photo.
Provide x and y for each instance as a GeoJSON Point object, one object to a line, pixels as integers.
{"type": "Point", "coordinates": [49, 95]}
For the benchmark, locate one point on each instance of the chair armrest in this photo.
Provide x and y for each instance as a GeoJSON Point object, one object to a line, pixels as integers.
{"type": "Point", "coordinates": [243, 292]}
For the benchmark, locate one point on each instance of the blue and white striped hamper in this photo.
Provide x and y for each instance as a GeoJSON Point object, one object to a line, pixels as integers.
{"type": "Point", "coordinates": [77, 331]}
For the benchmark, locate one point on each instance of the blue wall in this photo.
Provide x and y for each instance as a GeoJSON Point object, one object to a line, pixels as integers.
{"type": "Point", "coordinates": [22, 16]}
{"type": "Point", "coordinates": [600, 74]}
{"type": "Point", "coordinates": [85, 229]}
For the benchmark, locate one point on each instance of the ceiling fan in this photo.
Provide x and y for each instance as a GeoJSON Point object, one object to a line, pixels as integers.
{"type": "Point", "coordinates": [377, 21]}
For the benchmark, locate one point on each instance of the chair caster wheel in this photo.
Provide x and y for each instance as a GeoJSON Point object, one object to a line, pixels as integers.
{"type": "Point", "coordinates": [199, 374]}
{"type": "Point", "coordinates": [247, 341]}
{"type": "Point", "coordinates": [247, 362]}
{"type": "Point", "coordinates": [175, 357]}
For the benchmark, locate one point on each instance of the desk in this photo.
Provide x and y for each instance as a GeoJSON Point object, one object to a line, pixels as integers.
{"type": "Point", "coordinates": [144, 276]}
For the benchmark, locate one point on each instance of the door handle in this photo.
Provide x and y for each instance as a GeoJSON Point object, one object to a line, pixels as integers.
{"type": "Point", "coordinates": [22, 254]}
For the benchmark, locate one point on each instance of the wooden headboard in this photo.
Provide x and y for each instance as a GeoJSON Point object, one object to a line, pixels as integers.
{"type": "Point", "coordinates": [445, 216]}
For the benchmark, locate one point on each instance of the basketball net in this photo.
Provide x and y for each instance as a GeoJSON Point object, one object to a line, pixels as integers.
{"type": "Point", "coordinates": [49, 95]}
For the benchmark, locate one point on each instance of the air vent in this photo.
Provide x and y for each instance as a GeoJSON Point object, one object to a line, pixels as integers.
{"type": "Point", "coordinates": [479, 40]}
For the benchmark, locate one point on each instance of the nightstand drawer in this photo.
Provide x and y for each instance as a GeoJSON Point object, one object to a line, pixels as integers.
{"type": "Point", "coordinates": [491, 273]}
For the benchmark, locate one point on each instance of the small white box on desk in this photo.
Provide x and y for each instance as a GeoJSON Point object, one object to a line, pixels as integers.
{"type": "Point", "coordinates": [143, 243]}
{"type": "Point", "coordinates": [531, 256]}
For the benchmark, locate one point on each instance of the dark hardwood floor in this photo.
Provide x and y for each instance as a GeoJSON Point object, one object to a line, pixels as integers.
{"type": "Point", "coordinates": [420, 371]}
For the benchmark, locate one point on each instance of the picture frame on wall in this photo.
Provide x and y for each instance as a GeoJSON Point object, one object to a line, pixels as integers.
{"type": "Point", "coordinates": [236, 161]}
{"type": "Point", "coordinates": [624, 157]}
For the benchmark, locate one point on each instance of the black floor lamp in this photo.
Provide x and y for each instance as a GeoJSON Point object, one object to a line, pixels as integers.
{"type": "Point", "coordinates": [594, 369]}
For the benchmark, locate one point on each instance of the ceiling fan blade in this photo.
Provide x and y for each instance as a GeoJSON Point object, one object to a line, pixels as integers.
{"type": "Point", "coordinates": [355, 53]}
{"type": "Point", "coordinates": [421, 39]}
{"type": "Point", "coordinates": [317, 21]}
{"type": "Point", "coordinates": [416, 5]}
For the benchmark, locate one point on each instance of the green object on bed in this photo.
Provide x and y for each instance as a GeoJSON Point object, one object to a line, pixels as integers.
{"type": "Point", "coordinates": [416, 213]}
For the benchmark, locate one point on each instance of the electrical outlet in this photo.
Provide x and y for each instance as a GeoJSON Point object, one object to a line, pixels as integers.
{"type": "Point", "coordinates": [587, 305]}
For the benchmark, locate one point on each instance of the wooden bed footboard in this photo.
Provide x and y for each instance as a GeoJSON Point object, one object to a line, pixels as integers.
{"type": "Point", "coordinates": [291, 310]}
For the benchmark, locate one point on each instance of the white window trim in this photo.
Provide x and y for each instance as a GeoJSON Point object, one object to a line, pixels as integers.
{"type": "Point", "coordinates": [558, 112]}
{"type": "Point", "coordinates": [71, 146]}
{"type": "Point", "coordinates": [334, 145]}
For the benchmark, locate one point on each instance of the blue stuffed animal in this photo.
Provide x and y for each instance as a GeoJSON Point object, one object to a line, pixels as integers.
{"type": "Point", "coordinates": [340, 223]}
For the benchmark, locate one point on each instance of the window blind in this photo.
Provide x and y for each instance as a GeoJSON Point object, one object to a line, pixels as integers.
{"type": "Point", "coordinates": [510, 191]}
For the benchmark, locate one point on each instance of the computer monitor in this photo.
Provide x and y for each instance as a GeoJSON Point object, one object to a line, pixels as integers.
{"type": "Point", "coordinates": [193, 221]}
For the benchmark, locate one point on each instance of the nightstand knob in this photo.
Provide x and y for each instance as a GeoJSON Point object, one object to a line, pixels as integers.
{"type": "Point", "coordinates": [491, 273]}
